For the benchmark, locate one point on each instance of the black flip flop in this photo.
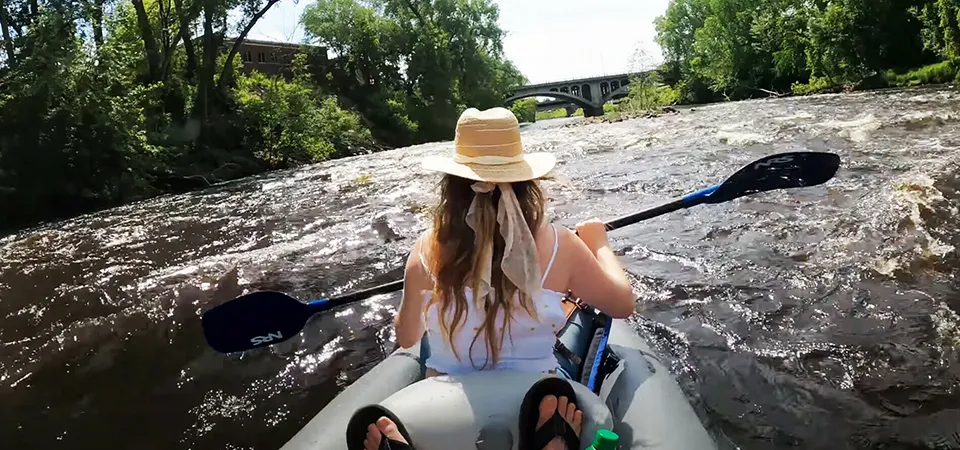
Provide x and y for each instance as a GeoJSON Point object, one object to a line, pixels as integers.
{"type": "Point", "coordinates": [363, 417]}
{"type": "Point", "coordinates": [533, 438]}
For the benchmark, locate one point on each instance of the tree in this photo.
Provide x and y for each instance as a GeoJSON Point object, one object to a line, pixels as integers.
{"type": "Point", "coordinates": [743, 48]}
{"type": "Point", "coordinates": [415, 62]}
{"type": "Point", "coordinates": [100, 109]}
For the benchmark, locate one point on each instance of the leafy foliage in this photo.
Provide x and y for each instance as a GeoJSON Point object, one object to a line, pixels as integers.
{"type": "Point", "coordinates": [554, 113]}
{"type": "Point", "coordinates": [744, 48]}
{"type": "Point", "coordinates": [290, 123]}
{"type": "Point", "coordinates": [525, 110]}
{"type": "Point", "coordinates": [105, 102]}
{"type": "Point", "coordinates": [411, 67]}
{"type": "Point", "coordinates": [647, 94]}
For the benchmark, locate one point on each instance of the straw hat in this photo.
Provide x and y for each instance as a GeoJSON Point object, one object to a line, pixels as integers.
{"type": "Point", "coordinates": [487, 147]}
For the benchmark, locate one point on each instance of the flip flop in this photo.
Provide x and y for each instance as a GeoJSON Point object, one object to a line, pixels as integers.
{"type": "Point", "coordinates": [533, 438]}
{"type": "Point", "coordinates": [363, 417]}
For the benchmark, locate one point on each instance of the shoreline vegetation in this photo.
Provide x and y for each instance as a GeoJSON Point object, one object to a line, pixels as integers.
{"type": "Point", "coordinates": [105, 102]}
{"type": "Point", "coordinates": [727, 50]}
{"type": "Point", "coordinates": [944, 73]}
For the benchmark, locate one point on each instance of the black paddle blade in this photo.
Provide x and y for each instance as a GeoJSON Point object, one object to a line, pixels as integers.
{"type": "Point", "coordinates": [780, 171]}
{"type": "Point", "coordinates": [254, 320]}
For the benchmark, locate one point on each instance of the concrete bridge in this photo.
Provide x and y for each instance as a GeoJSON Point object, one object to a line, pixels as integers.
{"type": "Point", "coordinates": [588, 93]}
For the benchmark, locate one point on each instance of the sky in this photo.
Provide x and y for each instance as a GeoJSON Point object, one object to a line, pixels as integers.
{"type": "Point", "coordinates": [548, 40]}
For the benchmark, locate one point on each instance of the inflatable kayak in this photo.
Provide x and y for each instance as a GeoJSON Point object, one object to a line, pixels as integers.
{"type": "Point", "coordinates": [619, 385]}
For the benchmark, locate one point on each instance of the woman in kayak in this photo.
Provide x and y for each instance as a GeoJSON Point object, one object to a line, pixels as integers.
{"type": "Point", "coordinates": [487, 280]}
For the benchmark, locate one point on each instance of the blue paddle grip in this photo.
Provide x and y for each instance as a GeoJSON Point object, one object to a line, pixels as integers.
{"type": "Point", "coordinates": [699, 196]}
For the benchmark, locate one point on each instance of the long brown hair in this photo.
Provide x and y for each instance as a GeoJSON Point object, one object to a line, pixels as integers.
{"type": "Point", "coordinates": [455, 259]}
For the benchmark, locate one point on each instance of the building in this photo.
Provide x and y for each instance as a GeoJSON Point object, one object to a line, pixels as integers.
{"type": "Point", "coordinates": [274, 58]}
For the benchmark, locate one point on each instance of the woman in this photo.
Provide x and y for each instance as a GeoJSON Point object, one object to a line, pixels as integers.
{"type": "Point", "coordinates": [487, 280]}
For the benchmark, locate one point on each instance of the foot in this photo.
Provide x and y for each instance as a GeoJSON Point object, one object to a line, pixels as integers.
{"type": "Point", "coordinates": [385, 427]}
{"type": "Point", "coordinates": [573, 416]}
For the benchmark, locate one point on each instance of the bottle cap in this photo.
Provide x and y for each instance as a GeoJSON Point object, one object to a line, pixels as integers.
{"type": "Point", "coordinates": [605, 440]}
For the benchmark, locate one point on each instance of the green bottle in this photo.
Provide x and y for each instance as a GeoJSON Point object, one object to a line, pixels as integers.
{"type": "Point", "coordinates": [604, 440]}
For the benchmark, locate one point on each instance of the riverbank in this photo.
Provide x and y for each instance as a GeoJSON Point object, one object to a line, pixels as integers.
{"type": "Point", "coordinates": [943, 74]}
{"type": "Point", "coordinates": [940, 73]}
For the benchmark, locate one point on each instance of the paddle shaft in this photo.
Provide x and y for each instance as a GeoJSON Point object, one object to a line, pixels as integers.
{"type": "Point", "coordinates": [687, 201]}
{"type": "Point", "coordinates": [644, 215]}
{"type": "Point", "coordinates": [265, 318]}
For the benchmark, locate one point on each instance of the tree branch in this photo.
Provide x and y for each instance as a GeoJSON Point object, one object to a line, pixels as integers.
{"type": "Point", "coordinates": [227, 73]}
{"type": "Point", "coordinates": [149, 41]}
{"type": "Point", "coordinates": [5, 28]}
{"type": "Point", "coordinates": [187, 38]}
{"type": "Point", "coordinates": [416, 13]}
{"type": "Point", "coordinates": [773, 93]}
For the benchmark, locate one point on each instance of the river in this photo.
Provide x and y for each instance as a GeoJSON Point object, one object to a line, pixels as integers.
{"type": "Point", "coordinates": [816, 318]}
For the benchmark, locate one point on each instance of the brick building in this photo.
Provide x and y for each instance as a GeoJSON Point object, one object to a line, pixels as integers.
{"type": "Point", "coordinates": [273, 58]}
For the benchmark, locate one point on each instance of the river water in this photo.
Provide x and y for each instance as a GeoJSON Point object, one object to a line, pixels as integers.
{"type": "Point", "coordinates": [818, 318]}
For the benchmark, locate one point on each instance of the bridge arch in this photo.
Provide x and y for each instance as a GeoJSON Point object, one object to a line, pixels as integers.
{"type": "Point", "coordinates": [585, 92]}
{"type": "Point", "coordinates": [619, 93]}
{"type": "Point", "coordinates": [587, 105]}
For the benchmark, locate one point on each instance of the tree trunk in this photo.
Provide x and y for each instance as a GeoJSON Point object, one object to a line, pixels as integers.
{"type": "Point", "coordinates": [98, 23]}
{"type": "Point", "coordinates": [201, 107]}
{"type": "Point", "coordinates": [188, 47]}
{"type": "Point", "coordinates": [5, 28]}
{"type": "Point", "coordinates": [227, 74]}
{"type": "Point", "coordinates": [168, 53]}
{"type": "Point", "coordinates": [416, 12]}
{"type": "Point", "coordinates": [149, 41]}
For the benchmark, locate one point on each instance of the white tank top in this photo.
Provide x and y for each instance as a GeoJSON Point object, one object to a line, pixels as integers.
{"type": "Point", "coordinates": [527, 348]}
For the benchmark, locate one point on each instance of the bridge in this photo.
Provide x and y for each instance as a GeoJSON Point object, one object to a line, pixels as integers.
{"type": "Point", "coordinates": [588, 93]}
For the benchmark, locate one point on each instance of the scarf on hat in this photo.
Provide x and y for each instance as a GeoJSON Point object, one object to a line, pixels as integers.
{"type": "Point", "coordinates": [519, 263]}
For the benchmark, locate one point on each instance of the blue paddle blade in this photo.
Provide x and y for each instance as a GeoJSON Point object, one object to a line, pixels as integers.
{"type": "Point", "coordinates": [779, 171]}
{"type": "Point", "coordinates": [254, 320]}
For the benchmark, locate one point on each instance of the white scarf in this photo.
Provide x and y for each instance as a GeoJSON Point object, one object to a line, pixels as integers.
{"type": "Point", "coordinates": [520, 263]}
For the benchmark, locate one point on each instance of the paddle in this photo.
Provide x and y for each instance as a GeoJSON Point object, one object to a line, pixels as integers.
{"type": "Point", "coordinates": [264, 318]}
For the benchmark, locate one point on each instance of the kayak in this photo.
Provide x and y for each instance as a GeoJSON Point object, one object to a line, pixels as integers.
{"type": "Point", "coordinates": [619, 384]}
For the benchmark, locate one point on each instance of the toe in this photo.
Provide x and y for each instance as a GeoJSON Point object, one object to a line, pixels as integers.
{"type": "Point", "coordinates": [577, 422]}
{"type": "Point", "coordinates": [372, 442]}
{"type": "Point", "coordinates": [562, 406]}
{"type": "Point", "coordinates": [571, 414]}
{"type": "Point", "coordinates": [390, 430]}
{"type": "Point", "coordinates": [571, 410]}
{"type": "Point", "coordinates": [548, 406]}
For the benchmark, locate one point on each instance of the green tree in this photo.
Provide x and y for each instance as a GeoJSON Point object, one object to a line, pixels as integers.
{"type": "Point", "coordinates": [941, 26]}
{"type": "Point", "coordinates": [415, 62]}
{"type": "Point", "coordinates": [525, 110]}
{"type": "Point", "coordinates": [105, 102]}
{"type": "Point", "coordinates": [99, 109]}
{"type": "Point", "coordinates": [851, 39]}
{"type": "Point", "coordinates": [743, 48]}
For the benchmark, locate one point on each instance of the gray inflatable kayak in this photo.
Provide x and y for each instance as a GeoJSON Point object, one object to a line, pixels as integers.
{"type": "Point", "coordinates": [622, 386]}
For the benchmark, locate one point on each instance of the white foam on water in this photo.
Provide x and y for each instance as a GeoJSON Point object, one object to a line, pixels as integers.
{"type": "Point", "coordinates": [947, 324]}
{"type": "Point", "coordinates": [857, 130]}
{"type": "Point", "coordinates": [803, 115]}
